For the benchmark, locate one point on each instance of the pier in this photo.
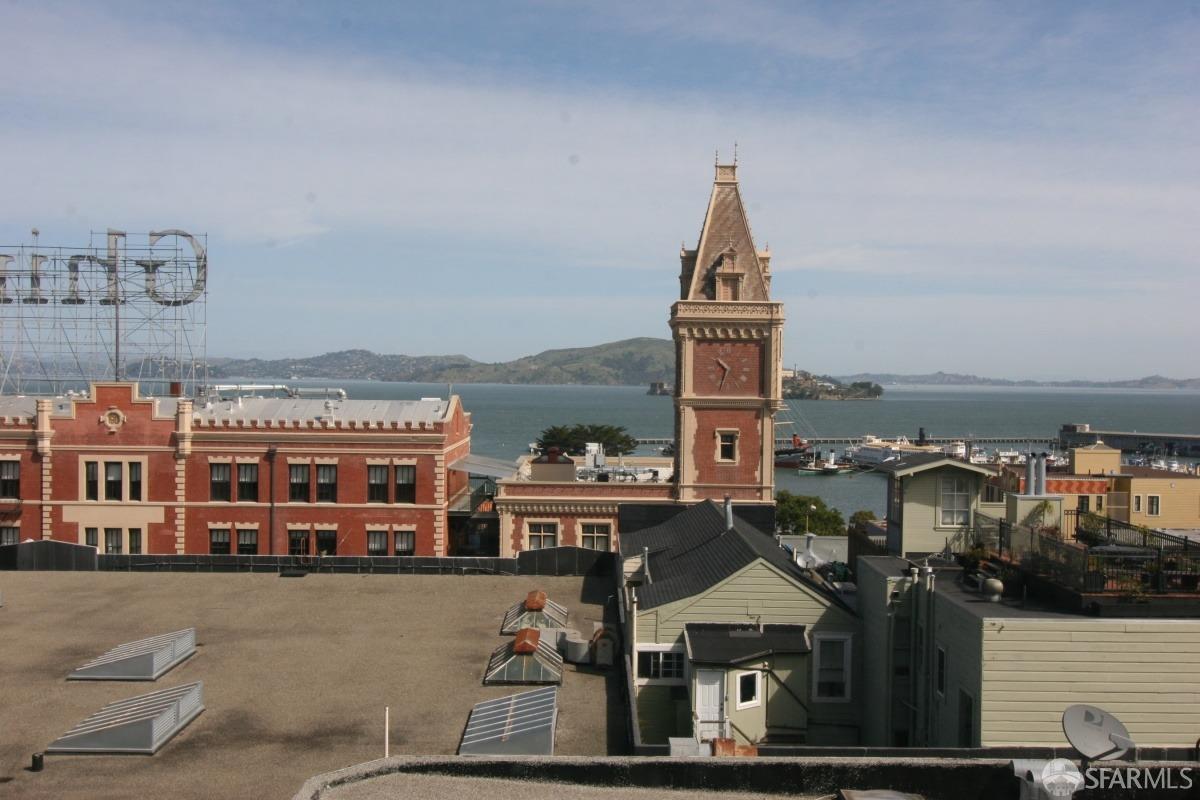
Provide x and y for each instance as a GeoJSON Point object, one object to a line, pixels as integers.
{"type": "Point", "coordinates": [855, 440]}
{"type": "Point", "coordinates": [1171, 444]}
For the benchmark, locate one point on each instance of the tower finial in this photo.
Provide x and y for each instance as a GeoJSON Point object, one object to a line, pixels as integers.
{"type": "Point", "coordinates": [735, 152]}
{"type": "Point", "coordinates": [716, 157]}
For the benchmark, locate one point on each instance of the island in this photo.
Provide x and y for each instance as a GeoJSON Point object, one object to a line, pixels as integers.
{"type": "Point", "coordinates": [801, 385]}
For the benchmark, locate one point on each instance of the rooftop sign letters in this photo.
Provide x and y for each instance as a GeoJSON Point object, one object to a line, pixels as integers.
{"type": "Point", "coordinates": [170, 273]}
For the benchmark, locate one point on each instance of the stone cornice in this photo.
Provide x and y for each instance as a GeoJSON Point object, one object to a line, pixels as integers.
{"type": "Point", "coordinates": [700, 311]}
{"type": "Point", "coordinates": [526, 507]}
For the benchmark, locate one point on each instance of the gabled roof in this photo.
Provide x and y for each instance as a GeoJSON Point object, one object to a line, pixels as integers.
{"type": "Point", "coordinates": [726, 231]}
{"type": "Point", "coordinates": [913, 463]}
{"type": "Point", "coordinates": [693, 552]}
{"type": "Point", "coordinates": [724, 643]}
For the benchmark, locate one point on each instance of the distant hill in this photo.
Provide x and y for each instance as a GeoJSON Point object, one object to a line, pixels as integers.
{"type": "Point", "coordinates": [631, 362]}
{"type": "Point", "coordinates": [959, 379]}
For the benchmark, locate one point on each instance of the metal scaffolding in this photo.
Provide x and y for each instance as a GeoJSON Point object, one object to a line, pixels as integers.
{"type": "Point", "coordinates": [126, 307]}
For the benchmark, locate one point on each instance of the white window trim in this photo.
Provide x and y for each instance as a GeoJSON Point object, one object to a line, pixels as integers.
{"type": "Point", "coordinates": [124, 461]}
{"type": "Point", "coordinates": [737, 688]}
{"type": "Point", "coordinates": [737, 445]}
{"type": "Point", "coordinates": [661, 648]}
{"type": "Point", "coordinates": [579, 523]}
{"type": "Point", "coordinates": [1150, 513]}
{"type": "Point", "coordinates": [847, 665]}
{"type": "Point", "coordinates": [938, 524]}
{"type": "Point", "coordinates": [1137, 504]}
{"type": "Point", "coordinates": [558, 529]}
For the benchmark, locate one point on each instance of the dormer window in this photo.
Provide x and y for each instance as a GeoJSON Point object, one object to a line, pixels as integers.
{"type": "Point", "coordinates": [729, 288]}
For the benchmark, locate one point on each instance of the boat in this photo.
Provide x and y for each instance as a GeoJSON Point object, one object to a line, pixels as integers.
{"type": "Point", "coordinates": [797, 455]}
{"type": "Point", "coordinates": [874, 451]}
{"type": "Point", "coordinates": [978, 455]}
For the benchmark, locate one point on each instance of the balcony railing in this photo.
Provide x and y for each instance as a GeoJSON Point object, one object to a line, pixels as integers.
{"type": "Point", "coordinates": [1101, 557]}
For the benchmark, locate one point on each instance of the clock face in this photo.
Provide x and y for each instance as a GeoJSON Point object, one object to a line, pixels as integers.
{"type": "Point", "coordinates": [730, 369]}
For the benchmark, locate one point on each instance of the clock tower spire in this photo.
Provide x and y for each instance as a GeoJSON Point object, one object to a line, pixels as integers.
{"type": "Point", "coordinates": [728, 337]}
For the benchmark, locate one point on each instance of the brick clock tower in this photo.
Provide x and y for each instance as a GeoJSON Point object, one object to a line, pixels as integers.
{"type": "Point", "coordinates": [728, 358]}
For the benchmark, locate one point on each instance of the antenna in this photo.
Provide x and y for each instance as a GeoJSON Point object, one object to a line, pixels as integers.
{"type": "Point", "coordinates": [735, 152]}
{"type": "Point", "coordinates": [1095, 733]}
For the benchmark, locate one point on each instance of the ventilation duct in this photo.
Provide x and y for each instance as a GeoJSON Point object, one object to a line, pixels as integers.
{"type": "Point", "coordinates": [143, 660]}
{"type": "Point", "coordinates": [139, 724]}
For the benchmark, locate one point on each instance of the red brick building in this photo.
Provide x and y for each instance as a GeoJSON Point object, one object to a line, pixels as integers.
{"type": "Point", "coordinates": [255, 475]}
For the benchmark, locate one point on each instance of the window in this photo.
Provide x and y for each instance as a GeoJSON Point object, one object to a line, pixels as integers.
{"type": "Point", "coordinates": [656, 664]}
{"type": "Point", "coordinates": [833, 667]}
{"type": "Point", "coordinates": [91, 479]}
{"type": "Point", "coordinates": [135, 541]}
{"type": "Point", "coordinates": [1099, 503]}
{"type": "Point", "coordinates": [748, 684]}
{"type": "Point", "coordinates": [218, 541]}
{"type": "Point", "coordinates": [9, 536]}
{"type": "Point", "coordinates": [377, 489]}
{"type": "Point", "coordinates": [112, 480]}
{"type": "Point", "coordinates": [248, 482]}
{"type": "Point", "coordinates": [1153, 505]}
{"type": "Point", "coordinates": [218, 483]}
{"type": "Point", "coordinates": [595, 536]}
{"type": "Point", "coordinates": [10, 479]}
{"type": "Point", "coordinates": [941, 671]}
{"type": "Point", "coordinates": [135, 482]}
{"type": "Point", "coordinates": [1084, 504]}
{"type": "Point", "coordinates": [327, 543]}
{"type": "Point", "coordinates": [297, 543]}
{"type": "Point", "coordinates": [327, 483]}
{"type": "Point", "coordinates": [91, 537]}
{"type": "Point", "coordinates": [298, 483]}
{"type": "Point", "coordinates": [377, 543]}
{"type": "Point", "coordinates": [406, 543]}
{"type": "Point", "coordinates": [543, 534]}
{"type": "Point", "coordinates": [727, 446]}
{"type": "Point", "coordinates": [247, 542]}
{"type": "Point", "coordinates": [406, 484]}
{"type": "Point", "coordinates": [956, 501]}
{"type": "Point", "coordinates": [112, 540]}
{"type": "Point", "coordinates": [1137, 504]}
{"type": "Point", "coordinates": [966, 720]}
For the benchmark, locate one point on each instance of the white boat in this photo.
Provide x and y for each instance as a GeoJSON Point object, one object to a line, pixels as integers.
{"type": "Point", "coordinates": [956, 450]}
{"type": "Point", "coordinates": [875, 451]}
{"type": "Point", "coordinates": [1008, 457]}
{"type": "Point", "coordinates": [979, 455]}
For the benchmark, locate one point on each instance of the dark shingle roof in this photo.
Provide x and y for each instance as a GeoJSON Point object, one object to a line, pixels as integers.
{"type": "Point", "coordinates": [721, 643]}
{"type": "Point", "coordinates": [917, 462]}
{"type": "Point", "coordinates": [693, 551]}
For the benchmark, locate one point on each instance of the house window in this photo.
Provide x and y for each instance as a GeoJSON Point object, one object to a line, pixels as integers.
{"type": "Point", "coordinates": [112, 480]}
{"type": "Point", "coordinates": [956, 501]}
{"type": "Point", "coordinates": [406, 543]}
{"type": "Point", "coordinates": [135, 482]}
{"type": "Point", "coordinates": [833, 667]}
{"type": "Point", "coordinates": [941, 671]}
{"type": "Point", "coordinates": [595, 536]}
{"type": "Point", "coordinates": [406, 484]}
{"type": "Point", "coordinates": [748, 685]}
{"type": "Point", "coordinates": [298, 483]}
{"type": "Point", "coordinates": [218, 483]}
{"type": "Point", "coordinates": [297, 543]}
{"type": "Point", "coordinates": [247, 542]}
{"type": "Point", "coordinates": [10, 479]}
{"type": "Point", "coordinates": [327, 483]}
{"type": "Point", "coordinates": [543, 534]}
{"type": "Point", "coordinates": [1084, 504]}
{"type": "Point", "coordinates": [377, 484]}
{"type": "Point", "coordinates": [377, 543]}
{"type": "Point", "coordinates": [248, 482]}
{"type": "Point", "coordinates": [9, 536]}
{"type": "Point", "coordinates": [135, 541]}
{"type": "Point", "coordinates": [727, 446]}
{"type": "Point", "coordinates": [1153, 505]}
{"type": "Point", "coordinates": [1099, 503]}
{"type": "Point", "coordinates": [91, 479]}
{"type": "Point", "coordinates": [1137, 504]}
{"type": "Point", "coordinates": [112, 540]}
{"type": "Point", "coordinates": [218, 542]}
{"type": "Point", "coordinates": [658, 664]}
{"type": "Point", "coordinates": [91, 537]}
{"type": "Point", "coordinates": [327, 543]}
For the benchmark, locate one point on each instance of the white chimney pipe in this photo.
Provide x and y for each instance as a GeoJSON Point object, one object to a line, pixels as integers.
{"type": "Point", "coordinates": [728, 513]}
{"type": "Point", "coordinates": [1031, 474]}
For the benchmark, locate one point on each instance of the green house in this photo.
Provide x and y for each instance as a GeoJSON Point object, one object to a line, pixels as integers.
{"type": "Point", "coordinates": [932, 500]}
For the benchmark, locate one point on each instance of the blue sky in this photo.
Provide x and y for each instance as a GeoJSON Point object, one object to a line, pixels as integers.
{"type": "Point", "coordinates": [1007, 189]}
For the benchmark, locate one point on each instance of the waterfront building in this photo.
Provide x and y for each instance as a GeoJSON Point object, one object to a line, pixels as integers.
{"type": "Point", "coordinates": [242, 476]}
{"type": "Point", "coordinates": [728, 337]}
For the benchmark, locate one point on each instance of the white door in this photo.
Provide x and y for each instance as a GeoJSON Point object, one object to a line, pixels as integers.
{"type": "Point", "coordinates": [710, 704]}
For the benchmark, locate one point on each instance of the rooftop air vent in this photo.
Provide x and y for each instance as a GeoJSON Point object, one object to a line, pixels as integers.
{"type": "Point", "coordinates": [535, 611]}
{"type": "Point", "coordinates": [526, 659]}
{"type": "Point", "coordinates": [139, 724]}
{"type": "Point", "coordinates": [143, 660]}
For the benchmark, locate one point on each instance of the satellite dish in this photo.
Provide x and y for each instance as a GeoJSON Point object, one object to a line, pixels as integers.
{"type": "Point", "coordinates": [1095, 733]}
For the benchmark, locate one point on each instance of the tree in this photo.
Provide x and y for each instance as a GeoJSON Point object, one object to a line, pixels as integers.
{"type": "Point", "coordinates": [573, 439]}
{"type": "Point", "coordinates": [861, 516]}
{"type": "Point", "coordinates": [803, 513]}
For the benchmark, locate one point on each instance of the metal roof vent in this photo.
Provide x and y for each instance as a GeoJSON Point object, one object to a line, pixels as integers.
{"type": "Point", "coordinates": [526, 659]}
{"type": "Point", "coordinates": [517, 725]}
{"type": "Point", "coordinates": [143, 660]}
{"type": "Point", "coordinates": [535, 611]}
{"type": "Point", "coordinates": [139, 724]}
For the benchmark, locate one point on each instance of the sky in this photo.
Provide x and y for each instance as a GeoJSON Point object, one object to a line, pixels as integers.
{"type": "Point", "coordinates": [1008, 189]}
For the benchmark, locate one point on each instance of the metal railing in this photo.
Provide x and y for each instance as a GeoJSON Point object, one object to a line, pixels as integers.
{"type": "Point", "coordinates": [1132, 561]}
{"type": "Point", "coordinates": [1096, 529]}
